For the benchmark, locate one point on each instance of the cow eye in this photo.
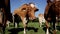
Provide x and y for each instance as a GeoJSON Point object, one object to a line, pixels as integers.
{"type": "Point", "coordinates": [24, 9]}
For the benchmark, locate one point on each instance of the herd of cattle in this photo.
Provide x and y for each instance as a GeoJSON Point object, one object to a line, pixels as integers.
{"type": "Point", "coordinates": [27, 12]}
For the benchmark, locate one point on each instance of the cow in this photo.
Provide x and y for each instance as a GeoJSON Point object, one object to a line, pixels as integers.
{"type": "Point", "coordinates": [4, 12]}
{"type": "Point", "coordinates": [41, 19]}
{"type": "Point", "coordinates": [26, 12]}
{"type": "Point", "coordinates": [52, 11]}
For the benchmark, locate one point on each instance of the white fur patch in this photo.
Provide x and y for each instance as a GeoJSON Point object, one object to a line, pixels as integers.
{"type": "Point", "coordinates": [47, 31]}
{"type": "Point", "coordinates": [24, 10]}
{"type": "Point", "coordinates": [24, 31]}
{"type": "Point", "coordinates": [32, 5]}
{"type": "Point", "coordinates": [25, 21]}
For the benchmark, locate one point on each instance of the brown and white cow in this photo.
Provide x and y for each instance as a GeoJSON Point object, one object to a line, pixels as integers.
{"type": "Point", "coordinates": [25, 12]}
{"type": "Point", "coordinates": [41, 19]}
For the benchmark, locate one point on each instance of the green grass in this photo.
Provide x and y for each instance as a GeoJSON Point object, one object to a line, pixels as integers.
{"type": "Point", "coordinates": [32, 25]}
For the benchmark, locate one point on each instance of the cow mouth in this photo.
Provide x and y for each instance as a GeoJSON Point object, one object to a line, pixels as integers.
{"type": "Point", "coordinates": [32, 18]}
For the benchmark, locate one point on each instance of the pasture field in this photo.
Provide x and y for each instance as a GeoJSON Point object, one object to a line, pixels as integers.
{"type": "Point", "coordinates": [33, 28]}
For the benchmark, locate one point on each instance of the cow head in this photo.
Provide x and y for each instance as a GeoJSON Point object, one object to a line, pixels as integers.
{"type": "Point", "coordinates": [31, 11]}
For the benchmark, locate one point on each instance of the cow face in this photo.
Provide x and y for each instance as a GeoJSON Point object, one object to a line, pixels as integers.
{"type": "Point", "coordinates": [32, 10]}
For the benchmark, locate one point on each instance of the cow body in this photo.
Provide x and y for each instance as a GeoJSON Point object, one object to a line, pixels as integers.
{"type": "Point", "coordinates": [4, 12]}
{"type": "Point", "coordinates": [51, 12]}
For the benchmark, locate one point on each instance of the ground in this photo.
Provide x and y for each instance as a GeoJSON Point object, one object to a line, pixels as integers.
{"type": "Point", "coordinates": [33, 28]}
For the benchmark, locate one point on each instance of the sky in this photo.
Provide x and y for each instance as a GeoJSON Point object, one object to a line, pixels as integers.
{"type": "Point", "coordinates": [40, 4]}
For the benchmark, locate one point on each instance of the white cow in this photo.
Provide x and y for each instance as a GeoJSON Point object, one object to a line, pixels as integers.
{"type": "Point", "coordinates": [41, 19]}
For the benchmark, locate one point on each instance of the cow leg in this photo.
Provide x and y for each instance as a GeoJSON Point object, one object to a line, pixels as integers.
{"type": "Point", "coordinates": [55, 26]}
{"type": "Point", "coordinates": [8, 23]}
{"type": "Point", "coordinates": [54, 31]}
{"type": "Point", "coordinates": [15, 25]}
{"type": "Point", "coordinates": [4, 26]}
{"type": "Point", "coordinates": [40, 24]}
{"type": "Point", "coordinates": [47, 26]}
{"type": "Point", "coordinates": [1, 31]}
{"type": "Point", "coordinates": [47, 31]}
{"type": "Point", "coordinates": [18, 25]}
{"type": "Point", "coordinates": [24, 24]}
{"type": "Point", "coordinates": [4, 23]}
{"type": "Point", "coordinates": [4, 30]}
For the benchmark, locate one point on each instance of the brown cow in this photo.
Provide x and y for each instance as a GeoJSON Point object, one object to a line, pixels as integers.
{"type": "Point", "coordinates": [4, 11]}
{"type": "Point", "coordinates": [2, 19]}
{"type": "Point", "coordinates": [25, 12]}
{"type": "Point", "coordinates": [51, 12]}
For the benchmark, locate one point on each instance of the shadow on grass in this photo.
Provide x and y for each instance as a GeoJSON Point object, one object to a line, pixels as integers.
{"type": "Point", "coordinates": [58, 28]}
{"type": "Point", "coordinates": [32, 28]}
{"type": "Point", "coordinates": [50, 30]}
{"type": "Point", "coordinates": [16, 30]}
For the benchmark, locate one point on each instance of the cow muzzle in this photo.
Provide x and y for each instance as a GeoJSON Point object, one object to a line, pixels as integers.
{"type": "Point", "coordinates": [32, 18]}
